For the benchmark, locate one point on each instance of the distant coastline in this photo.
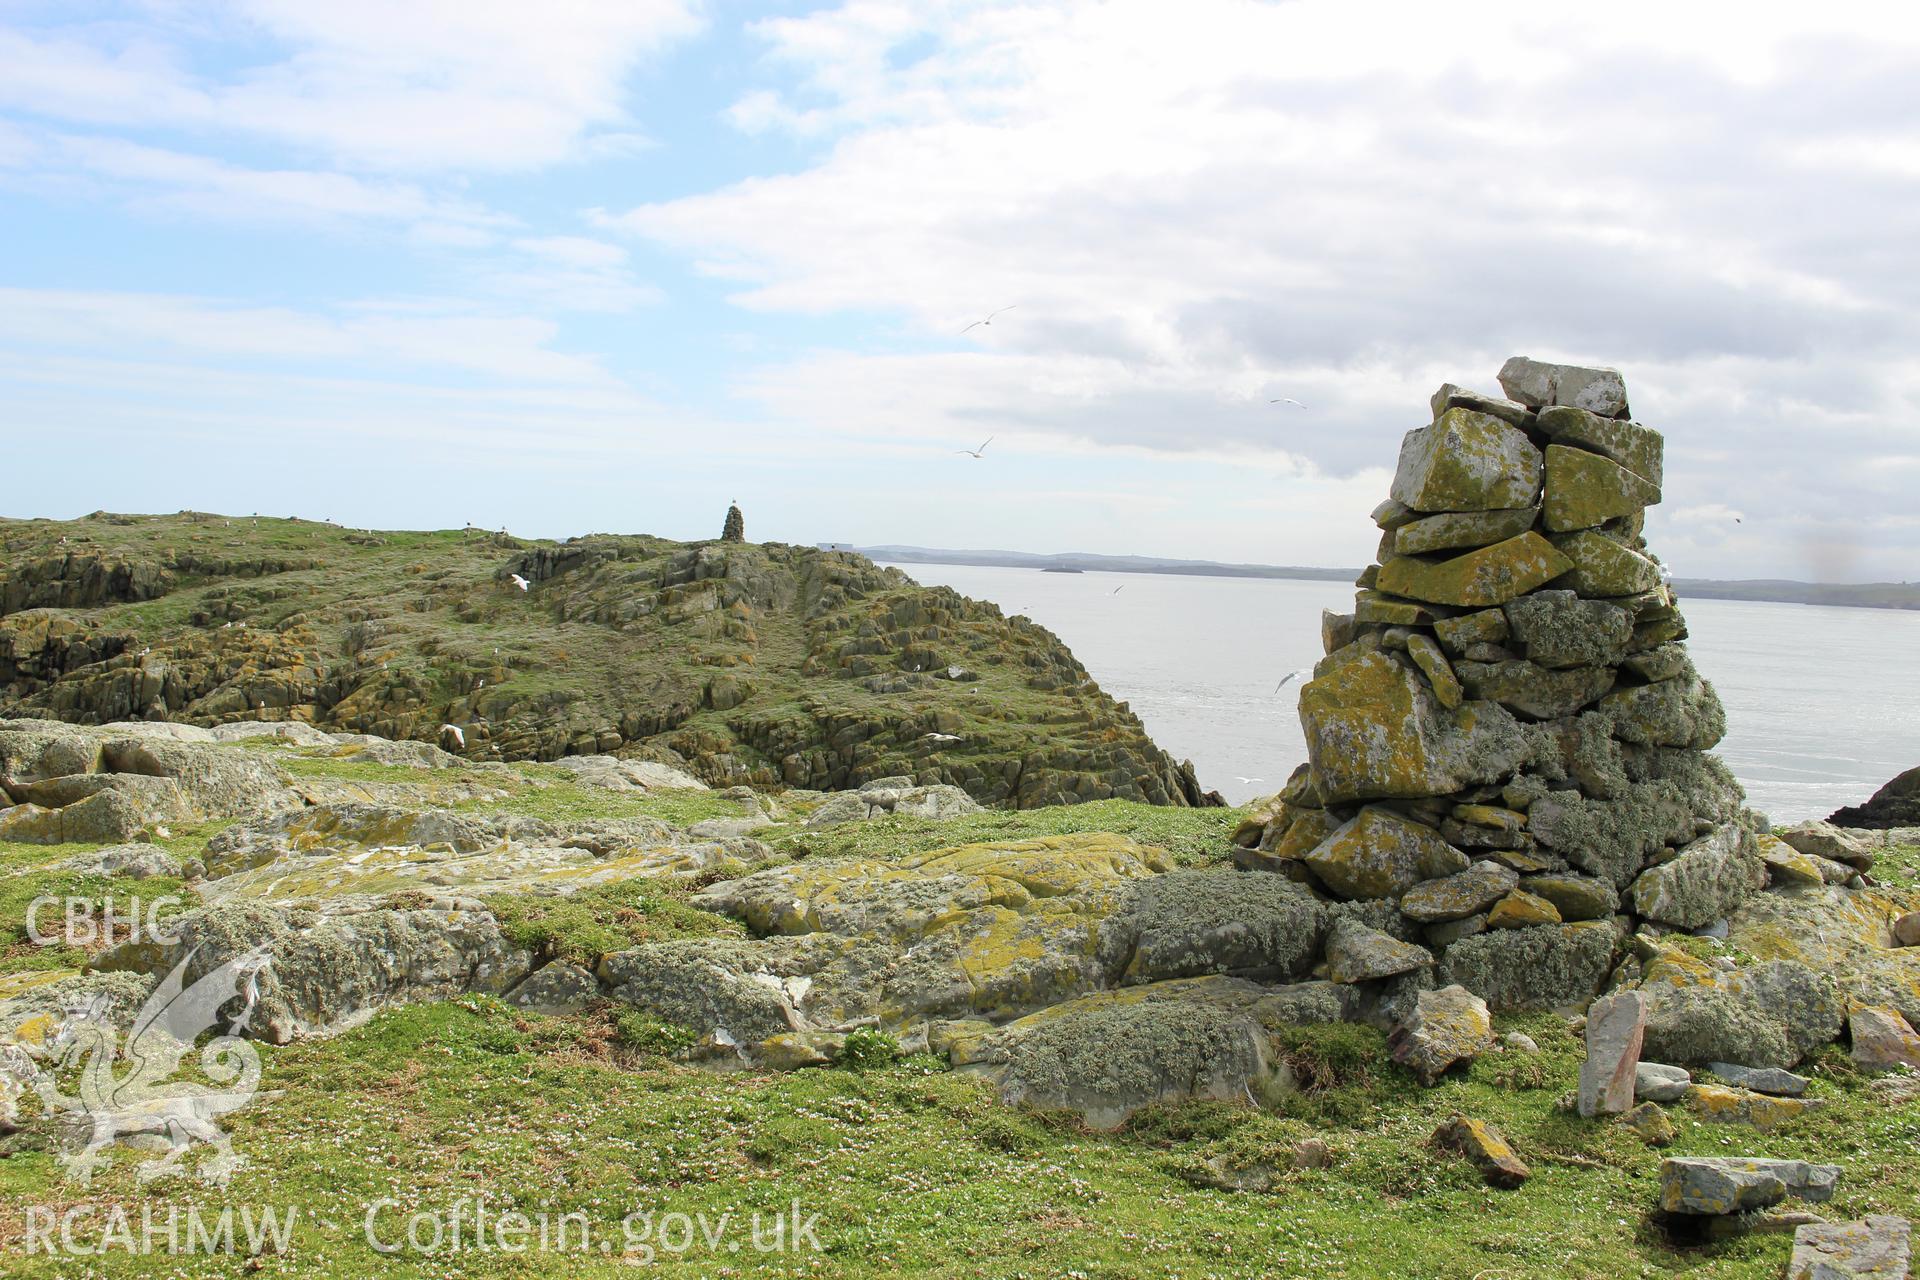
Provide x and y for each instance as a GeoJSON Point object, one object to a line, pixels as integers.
{"type": "Point", "coordinates": [1861, 595]}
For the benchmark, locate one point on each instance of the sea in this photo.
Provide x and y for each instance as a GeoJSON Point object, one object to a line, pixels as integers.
{"type": "Point", "coordinates": [1823, 704]}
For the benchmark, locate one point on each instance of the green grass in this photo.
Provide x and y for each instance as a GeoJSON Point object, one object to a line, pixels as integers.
{"type": "Point", "coordinates": [595, 921]}
{"type": "Point", "coordinates": [914, 1170]}
{"type": "Point", "coordinates": [1193, 837]}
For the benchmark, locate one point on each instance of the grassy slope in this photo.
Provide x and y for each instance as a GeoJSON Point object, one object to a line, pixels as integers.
{"type": "Point", "coordinates": [396, 632]}
{"type": "Point", "coordinates": [916, 1170]}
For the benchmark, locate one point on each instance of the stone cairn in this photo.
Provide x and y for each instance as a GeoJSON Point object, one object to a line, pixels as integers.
{"type": "Point", "coordinates": [735, 529]}
{"type": "Point", "coordinates": [1507, 771]}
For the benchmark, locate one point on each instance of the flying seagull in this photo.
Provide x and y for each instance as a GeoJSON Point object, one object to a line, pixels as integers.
{"type": "Point", "coordinates": [459, 738]}
{"type": "Point", "coordinates": [990, 316]}
{"type": "Point", "coordinates": [974, 453]}
{"type": "Point", "coordinates": [1117, 590]}
{"type": "Point", "coordinates": [944, 737]}
{"type": "Point", "coordinates": [1287, 400]}
{"type": "Point", "coordinates": [518, 581]}
{"type": "Point", "coordinates": [1247, 781]}
{"type": "Point", "coordinates": [1291, 675]}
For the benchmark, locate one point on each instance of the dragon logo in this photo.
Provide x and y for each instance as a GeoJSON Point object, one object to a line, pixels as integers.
{"type": "Point", "coordinates": [143, 1098]}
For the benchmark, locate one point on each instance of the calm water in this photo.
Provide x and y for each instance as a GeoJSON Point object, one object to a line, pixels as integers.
{"type": "Point", "coordinates": [1823, 705]}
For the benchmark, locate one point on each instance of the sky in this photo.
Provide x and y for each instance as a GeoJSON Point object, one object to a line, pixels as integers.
{"type": "Point", "coordinates": [609, 265]}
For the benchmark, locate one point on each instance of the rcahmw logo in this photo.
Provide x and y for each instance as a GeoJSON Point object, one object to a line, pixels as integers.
{"type": "Point", "coordinates": [143, 1098]}
{"type": "Point", "coordinates": [87, 1230]}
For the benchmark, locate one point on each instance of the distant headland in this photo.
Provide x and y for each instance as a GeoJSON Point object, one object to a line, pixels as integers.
{"type": "Point", "coordinates": [1862, 595]}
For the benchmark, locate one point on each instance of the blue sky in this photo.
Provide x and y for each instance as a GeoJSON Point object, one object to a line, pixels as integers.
{"type": "Point", "coordinates": [610, 265]}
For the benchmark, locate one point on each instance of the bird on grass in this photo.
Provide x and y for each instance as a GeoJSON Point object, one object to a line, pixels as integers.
{"type": "Point", "coordinates": [990, 315]}
{"type": "Point", "coordinates": [974, 453]}
{"type": "Point", "coordinates": [519, 581]}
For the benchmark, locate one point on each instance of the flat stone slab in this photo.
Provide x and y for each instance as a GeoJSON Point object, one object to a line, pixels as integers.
{"type": "Point", "coordinates": [1538, 384]}
{"type": "Point", "coordinates": [1875, 1248]}
{"type": "Point", "coordinates": [1716, 1185]}
{"type": "Point", "coordinates": [1776, 1081]}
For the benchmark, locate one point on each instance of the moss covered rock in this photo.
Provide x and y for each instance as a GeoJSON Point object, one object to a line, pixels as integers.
{"type": "Point", "coordinates": [1467, 461]}
{"type": "Point", "coordinates": [1490, 575]}
{"type": "Point", "coordinates": [1375, 730]}
{"type": "Point", "coordinates": [1585, 490]}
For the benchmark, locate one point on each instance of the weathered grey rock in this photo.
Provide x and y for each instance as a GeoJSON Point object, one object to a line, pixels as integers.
{"type": "Point", "coordinates": [1356, 953]}
{"type": "Point", "coordinates": [1374, 730]}
{"type": "Point", "coordinates": [1878, 1247]}
{"type": "Point", "coordinates": [1611, 839]}
{"type": "Point", "coordinates": [1672, 713]}
{"type": "Point", "coordinates": [1458, 634]}
{"type": "Point", "coordinates": [890, 796]}
{"type": "Point", "coordinates": [216, 782]}
{"type": "Point", "coordinates": [1768, 1080]}
{"type": "Point", "coordinates": [1559, 629]}
{"type": "Point", "coordinates": [402, 755]}
{"type": "Point", "coordinates": [1906, 930]}
{"type": "Point", "coordinates": [1487, 1148]}
{"type": "Point", "coordinates": [1467, 461]}
{"type": "Point", "coordinates": [1476, 579]}
{"type": "Point", "coordinates": [1457, 530]}
{"type": "Point", "coordinates": [1631, 445]}
{"type": "Point", "coordinates": [1428, 656]}
{"type": "Point", "coordinates": [1707, 882]}
{"type": "Point", "coordinates": [1534, 691]}
{"type": "Point", "coordinates": [1721, 1185]}
{"type": "Point", "coordinates": [93, 808]}
{"type": "Point", "coordinates": [328, 972]}
{"type": "Point", "coordinates": [1557, 966]}
{"type": "Point", "coordinates": [1381, 854]}
{"type": "Point", "coordinates": [1658, 1082]}
{"type": "Point", "coordinates": [1446, 1026]}
{"type": "Point", "coordinates": [135, 861]}
{"type": "Point", "coordinates": [1464, 894]}
{"type": "Point", "coordinates": [612, 773]}
{"type": "Point", "coordinates": [1576, 897]}
{"type": "Point", "coordinates": [1824, 840]}
{"type": "Point", "coordinates": [557, 987]}
{"type": "Point", "coordinates": [1771, 1014]}
{"type": "Point", "coordinates": [1538, 384]}
{"type": "Point", "coordinates": [1585, 490]}
{"type": "Point", "coordinates": [1603, 567]}
{"type": "Point", "coordinates": [1186, 923]}
{"type": "Point", "coordinates": [1450, 396]}
{"type": "Point", "coordinates": [1616, 1024]}
{"type": "Point", "coordinates": [1106, 1058]}
{"type": "Point", "coordinates": [297, 732]}
{"type": "Point", "coordinates": [1883, 1040]}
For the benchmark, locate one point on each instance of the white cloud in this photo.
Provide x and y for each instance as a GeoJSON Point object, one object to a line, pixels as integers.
{"type": "Point", "coordinates": [449, 336]}
{"type": "Point", "coordinates": [215, 189]}
{"type": "Point", "coordinates": [434, 85]}
{"type": "Point", "coordinates": [1202, 205]}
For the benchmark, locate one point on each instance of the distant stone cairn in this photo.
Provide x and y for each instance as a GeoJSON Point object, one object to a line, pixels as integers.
{"type": "Point", "coordinates": [735, 530]}
{"type": "Point", "coordinates": [1507, 738]}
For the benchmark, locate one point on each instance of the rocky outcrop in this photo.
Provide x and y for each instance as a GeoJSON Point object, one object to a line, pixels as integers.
{"type": "Point", "coordinates": [61, 784]}
{"type": "Point", "coordinates": [763, 665]}
{"type": "Point", "coordinates": [1895, 805]}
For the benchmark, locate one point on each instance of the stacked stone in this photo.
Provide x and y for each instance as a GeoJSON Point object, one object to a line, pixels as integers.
{"type": "Point", "coordinates": [1506, 740]}
{"type": "Point", "coordinates": [734, 529]}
